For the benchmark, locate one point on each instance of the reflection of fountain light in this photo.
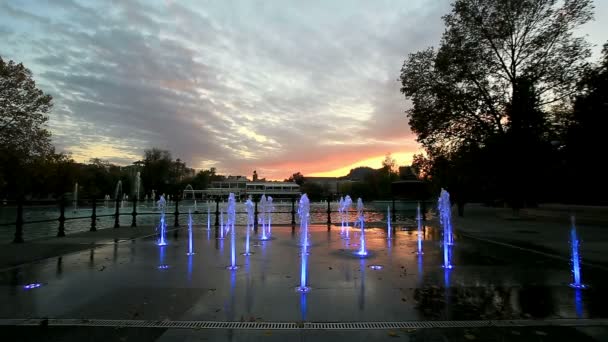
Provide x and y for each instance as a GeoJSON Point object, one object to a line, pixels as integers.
{"type": "Point", "coordinates": [446, 279]}
{"type": "Point", "coordinates": [31, 286]}
{"type": "Point", "coordinates": [303, 305]}
{"type": "Point", "coordinates": [362, 287]}
{"type": "Point", "coordinates": [576, 260]}
{"type": "Point", "coordinates": [420, 270]}
{"type": "Point", "coordinates": [190, 267]}
{"type": "Point", "coordinates": [376, 267]}
{"type": "Point", "coordinates": [162, 265]}
{"type": "Point", "coordinates": [303, 211]}
{"type": "Point", "coordinates": [578, 302]}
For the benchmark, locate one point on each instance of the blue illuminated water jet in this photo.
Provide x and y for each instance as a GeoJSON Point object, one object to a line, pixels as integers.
{"type": "Point", "coordinates": [578, 302]}
{"type": "Point", "coordinates": [262, 219]}
{"type": "Point", "coordinates": [388, 222]}
{"type": "Point", "coordinates": [303, 212]}
{"type": "Point", "coordinates": [269, 210]}
{"type": "Point", "coordinates": [348, 202]}
{"type": "Point", "coordinates": [250, 212]}
{"type": "Point", "coordinates": [231, 213]}
{"type": "Point", "coordinates": [190, 247]}
{"type": "Point", "coordinates": [445, 217]}
{"type": "Point", "coordinates": [341, 214]}
{"type": "Point", "coordinates": [208, 217]}
{"type": "Point", "coordinates": [362, 250]}
{"type": "Point", "coordinates": [576, 259]}
{"type": "Point", "coordinates": [419, 222]}
{"type": "Point", "coordinates": [162, 229]}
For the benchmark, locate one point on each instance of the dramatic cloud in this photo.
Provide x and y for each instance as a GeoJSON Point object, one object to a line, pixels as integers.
{"type": "Point", "coordinates": [280, 87]}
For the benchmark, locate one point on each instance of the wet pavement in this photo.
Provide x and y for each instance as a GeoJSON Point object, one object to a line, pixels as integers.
{"type": "Point", "coordinates": [137, 280]}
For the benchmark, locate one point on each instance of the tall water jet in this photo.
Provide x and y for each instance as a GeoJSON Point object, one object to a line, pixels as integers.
{"type": "Point", "coordinates": [445, 216]}
{"type": "Point", "coordinates": [231, 213]}
{"type": "Point", "coordinates": [303, 212]}
{"type": "Point", "coordinates": [76, 196]}
{"type": "Point", "coordinates": [445, 221]}
{"type": "Point", "coordinates": [576, 259]}
{"type": "Point", "coordinates": [348, 202]}
{"type": "Point", "coordinates": [137, 185]}
{"type": "Point", "coordinates": [269, 210]}
{"type": "Point", "coordinates": [208, 216]}
{"type": "Point", "coordinates": [362, 251]}
{"type": "Point", "coordinates": [388, 222]}
{"type": "Point", "coordinates": [419, 222]}
{"type": "Point", "coordinates": [341, 214]}
{"type": "Point", "coordinates": [250, 212]}
{"type": "Point", "coordinates": [161, 203]}
{"type": "Point", "coordinates": [190, 189]}
{"type": "Point", "coordinates": [162, 229]}
{"type": "Point", "coordinates": [118, 191]}
{"type": "Point", "coordinates": [262, 219]}
{"type": "Point", "coordinates": [190, 249]}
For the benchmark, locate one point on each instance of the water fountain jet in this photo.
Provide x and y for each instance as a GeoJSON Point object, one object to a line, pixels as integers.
{"type": "Point", "coordinates": [576, 259]}
{"type": "Point", "coordinates": [303, 212]}
{"type": "Point", "coordinates": [190, 249]}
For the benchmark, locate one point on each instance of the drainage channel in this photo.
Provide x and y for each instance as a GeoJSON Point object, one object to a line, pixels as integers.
{"type": "Point", "coordinates": [302, 325]}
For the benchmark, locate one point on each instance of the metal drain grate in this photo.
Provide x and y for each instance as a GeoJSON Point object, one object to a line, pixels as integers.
{"type": "Point", "coordinates": [301, 326]}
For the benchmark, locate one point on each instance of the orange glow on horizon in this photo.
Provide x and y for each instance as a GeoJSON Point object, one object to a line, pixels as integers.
{"type": "Point", "coordinates": [401, 159]}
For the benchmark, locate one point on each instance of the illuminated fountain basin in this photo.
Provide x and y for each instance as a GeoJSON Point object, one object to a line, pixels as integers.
{"type": "Point", "coordinates": [392, 284]}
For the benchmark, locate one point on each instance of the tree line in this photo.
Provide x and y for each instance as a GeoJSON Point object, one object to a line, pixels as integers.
{"type": "Point", "coordinates": [508, 108]}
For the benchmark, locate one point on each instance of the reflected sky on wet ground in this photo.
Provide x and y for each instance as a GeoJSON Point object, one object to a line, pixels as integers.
{"type": "Point", "coordinates": [139, 280]}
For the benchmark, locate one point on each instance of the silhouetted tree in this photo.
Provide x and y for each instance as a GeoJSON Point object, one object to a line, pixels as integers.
{"type": "Point", "coordinates": [24, 139]}
{"type": "Point", "coordinates": [297, 177]}
{"type": "Point", "coordinates": [586, 135]}
{"type": "Point", "coordinates": [498, 65]}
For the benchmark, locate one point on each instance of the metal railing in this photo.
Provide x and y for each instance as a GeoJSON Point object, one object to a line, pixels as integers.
{"type": "Point", "coordinates": [93, 217]}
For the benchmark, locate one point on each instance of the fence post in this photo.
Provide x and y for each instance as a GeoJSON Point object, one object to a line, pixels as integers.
{"type": "Point", "coordinates": [19, 222]}
{"type": "Point", "coordinates": [94, 215]}
{"type": "Point", "coordinates": [117, 214]}
{"type": "Point", "coordinates": [176, 223]}
{"type": "Point", "coordinates": [134, 213]}
{"type": "Point", "coordinates": [61, 229]}
{"type": "Point", "coordinates": [329, 213]}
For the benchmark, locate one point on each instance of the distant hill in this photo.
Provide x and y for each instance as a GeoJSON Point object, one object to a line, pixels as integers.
{"type": "Point", "coordinates": [359, 173]}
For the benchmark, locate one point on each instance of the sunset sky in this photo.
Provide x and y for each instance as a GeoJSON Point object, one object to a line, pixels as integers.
{"type": "Point", "coordinates": [275, 86]}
